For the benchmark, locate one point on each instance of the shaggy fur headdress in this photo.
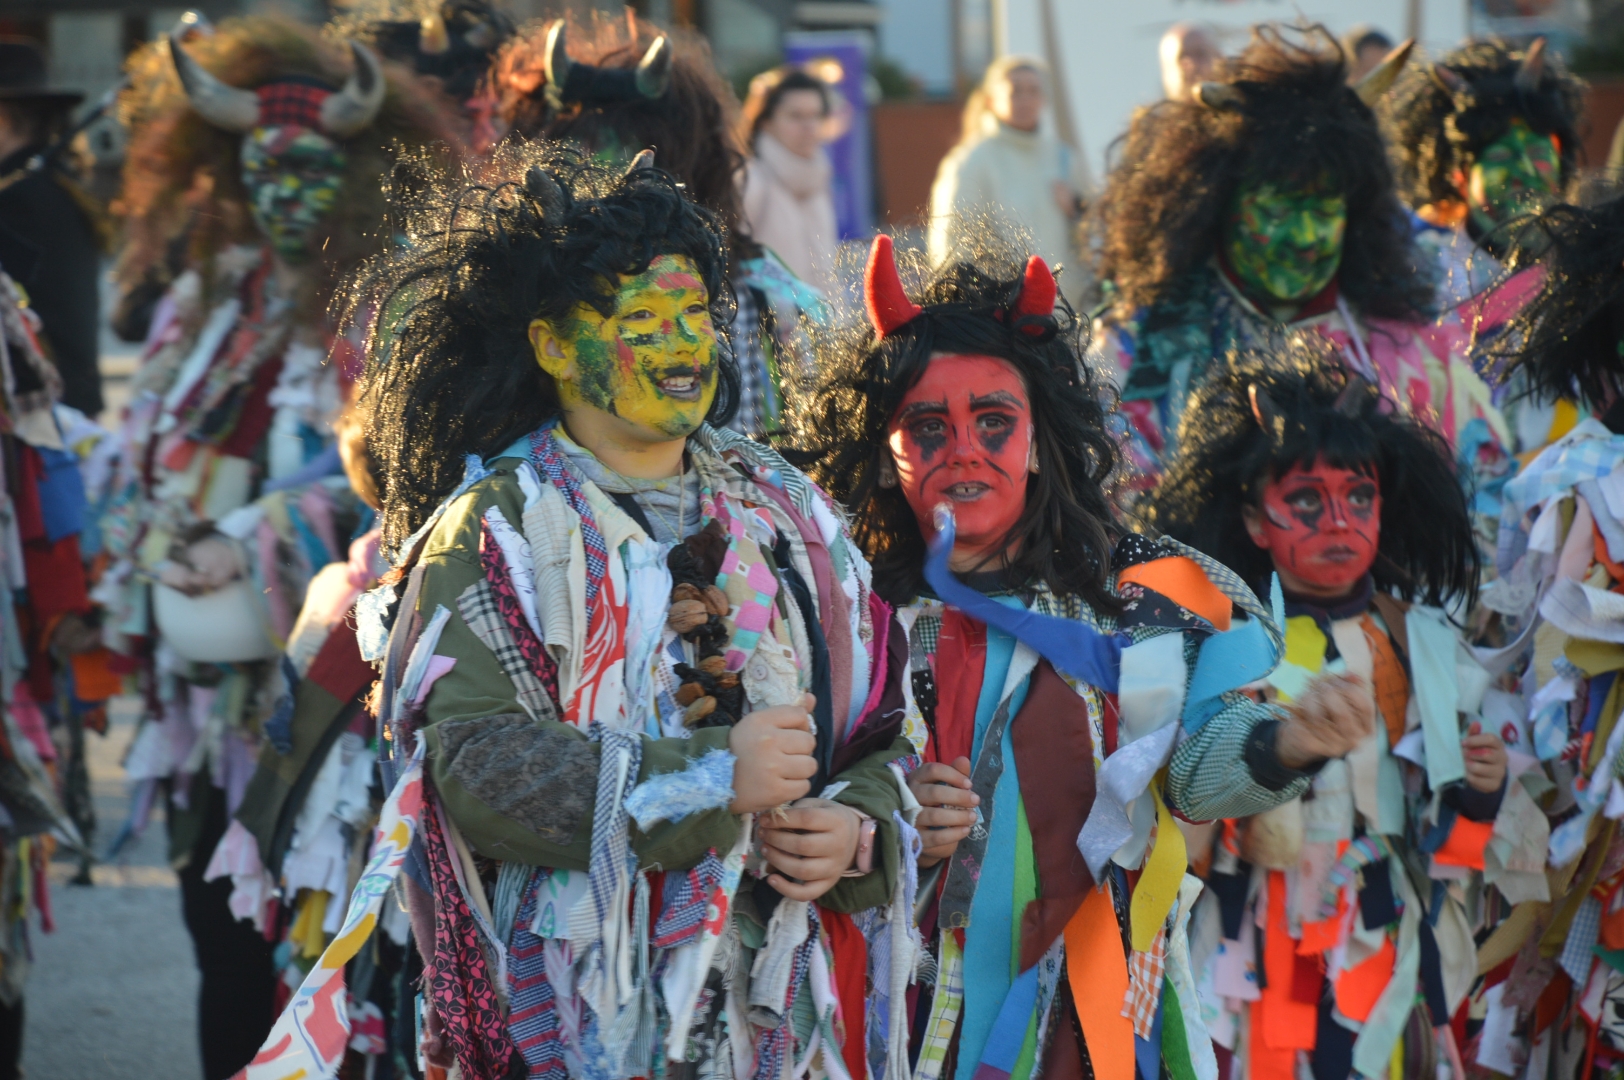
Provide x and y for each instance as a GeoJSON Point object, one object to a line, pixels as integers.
{"type": "Point", "coordinates": [1443, 114]}
{"type": "Point", "coordinates": [1281, 112]}
{"type": "Point", "coordinates": [1569, 339]}
{"type": "Point", "coordinates": [533, 234]}
{"type": "Point", "coordinates": [1256, 416]}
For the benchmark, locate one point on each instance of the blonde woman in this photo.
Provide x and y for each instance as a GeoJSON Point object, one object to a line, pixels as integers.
{"type": "Point", "coordinates": [1004, 164]}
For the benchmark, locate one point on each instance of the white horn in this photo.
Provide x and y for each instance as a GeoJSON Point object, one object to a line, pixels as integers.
{"type": "Point", "coordinates": [229, 108]}
{"type": "Point", "coordinates": [352, 109]}
{"type": "Point", "coordinates": [1532, 67]}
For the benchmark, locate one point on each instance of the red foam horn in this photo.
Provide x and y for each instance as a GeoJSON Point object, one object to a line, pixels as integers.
{"type": "Point", "coordinates": [888, 305]}
{"type": "Point", "coordinates": [1037, 294]}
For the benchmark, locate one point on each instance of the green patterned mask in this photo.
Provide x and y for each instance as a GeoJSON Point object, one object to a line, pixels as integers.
{"type": "Point", "coordinates": [1284, 245]}
{"type": "Point", "coordinates": [1516, 173]}
{"type": "Point", "coordinates": [293, 175]}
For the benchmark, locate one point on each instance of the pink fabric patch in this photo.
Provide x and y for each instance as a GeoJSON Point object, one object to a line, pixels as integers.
{"type": "Point", "coordinates": [438, 666]}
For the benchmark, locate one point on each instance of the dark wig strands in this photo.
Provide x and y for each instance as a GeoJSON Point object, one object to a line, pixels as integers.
{"type": "Point", "coordinates": [840, 429]}
{"type": "Point", "coordinates": [1567, 338]}
{"type": "Point", "coordinates": [450, 370]}
{"type": "Point", "coordinates": [1224, 458]}
{"type": "Point", "coordinates": [1435, 132]}
{"type": "Point", "coordinates": [1180, 164]}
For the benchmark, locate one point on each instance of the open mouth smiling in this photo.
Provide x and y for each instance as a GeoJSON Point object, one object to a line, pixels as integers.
{"type": "Point", "coordinates": [682, 384]}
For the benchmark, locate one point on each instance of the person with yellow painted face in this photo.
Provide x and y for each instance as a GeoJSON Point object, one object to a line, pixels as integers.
{"type": "Point", "coordinates": [1262, 207]}
{"type": "Point", "coordinates": [658, 697]}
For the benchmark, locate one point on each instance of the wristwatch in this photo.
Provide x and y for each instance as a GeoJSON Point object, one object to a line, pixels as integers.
{"type": "Point", "coordinates": [863, 861]}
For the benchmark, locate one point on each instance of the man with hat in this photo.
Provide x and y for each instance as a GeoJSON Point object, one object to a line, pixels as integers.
{"type": "Point", "coordinates": [49, 241]}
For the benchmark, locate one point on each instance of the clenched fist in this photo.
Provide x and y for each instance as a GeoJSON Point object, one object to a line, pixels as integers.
{"type": "Point", "coordinates": [949, 807]}
{"type": "Point", "coordinates": [774, 749]}
{"type": "Point", "coordinates": [810, 844]}
{"type": "Point", "coordinates": [1332, 716]}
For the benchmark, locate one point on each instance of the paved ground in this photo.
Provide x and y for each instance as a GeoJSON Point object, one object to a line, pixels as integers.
{"type": "Point", "coordinates": [113, 992]}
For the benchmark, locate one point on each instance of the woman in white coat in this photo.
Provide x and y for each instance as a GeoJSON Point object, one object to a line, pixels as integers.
{"type": "Point", "coordinates": [787, 203]}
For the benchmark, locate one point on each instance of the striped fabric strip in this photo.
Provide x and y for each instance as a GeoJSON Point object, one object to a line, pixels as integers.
{"type": "Point", "coordinates": [601, 928]}
{"type": "Point", "coordinates": [549, 459]}
{"type": "Point", "coordinates": [533, 1015]}
{"type": "Point", "coordinates": [774, 1046]}
{"type": "Point", "coordinates": [686, 897]}
{"type": "Point", "coordinates": [494, 564]}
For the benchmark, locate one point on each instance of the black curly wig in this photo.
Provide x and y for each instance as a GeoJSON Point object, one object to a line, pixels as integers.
{"type": "Point", "coordinates": [535, 232]}
{"type": "Point", "coordinates": [1294, 121]}
{"type": "Point", "coordinates": [1437, 132]}
{"type": "Point", "coordinates": [1570, 336]}
{"type": "Point", "coordinates": [1225, 456]}
{"type": "Point", "coordinates": [840, 428]}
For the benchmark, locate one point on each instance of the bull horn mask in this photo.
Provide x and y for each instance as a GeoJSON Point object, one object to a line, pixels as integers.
{"type": "Point", "coordinates": [572, 82]}
{"type": "Point", "coordinates": [346, 112]}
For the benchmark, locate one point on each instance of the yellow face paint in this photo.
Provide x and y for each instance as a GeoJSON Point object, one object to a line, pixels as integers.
{"type": "Point", "coordinates": [652, 363]}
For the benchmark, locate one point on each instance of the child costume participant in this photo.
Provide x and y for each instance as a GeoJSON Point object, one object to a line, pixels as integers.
{"type": "Point", "coordinates": [622, 633]}
{"type": "Point", "coordinates": [1478, 138]}
{"type": "Point", "coordinates": [1561, 551]}
{"type": "Point", "coordinates": [967, 433]}
{"type": "Point", "coordinates": [1342, 925]}
{"type": "Point", "coordinates": [1263, 204]}
{"type": "Point", "coordinates": [620, 93]}
{"type": "Point", "coordinates": [277, 179]}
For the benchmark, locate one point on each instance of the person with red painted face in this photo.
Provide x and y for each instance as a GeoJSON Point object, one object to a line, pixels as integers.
{"type": "Point", "coordinates": [1071, 689]}
{"type": "Point", "coordinates": [1341, 923]}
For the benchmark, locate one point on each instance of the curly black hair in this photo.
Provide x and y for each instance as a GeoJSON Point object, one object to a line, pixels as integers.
{"type": "Point", "coordinates": [1436, 132]}
{"type": "Point", "coordinates": [1225, 456]}
{"type": "Point", "coordinates": [1570, 336]}
{"type": "Point", "coordinates": [1294, 120]}
{"type": "Point", "coordinates": [840, 426]}
{"type": "Point", "coordinates": [534, 233]}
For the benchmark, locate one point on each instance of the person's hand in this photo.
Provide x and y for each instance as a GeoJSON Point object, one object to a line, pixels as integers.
{"type": "Point", "coordinates": [1332, 716]}
{"type": "Point", "coordinates": [949, 807]}
{"type": "Point", "coordinates": [813, 842]}
{"type": "Point", "coordinates": [1485, 759]}
{"type": "Point", "coordinates": [773, 749]}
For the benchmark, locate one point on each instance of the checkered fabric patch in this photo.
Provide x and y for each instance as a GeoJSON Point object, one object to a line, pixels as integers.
{"type": "Point", "coordinates": [944, 1010]}
{"type": "Point", "coordinates": [289, 102]}
{"type": "Point", "coordinates": [533, 1013]}
{"type": "Point", "coordinates": [480, 610]}
{"type": "Point", "coordinates": [494, 563]}
{"type": "Point", "coordinates": [1145, 972]}
{"type": "Point", "coordinates": [685, 902]}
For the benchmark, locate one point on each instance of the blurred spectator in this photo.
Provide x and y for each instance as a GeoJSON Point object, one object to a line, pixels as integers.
{"type": "Point", "coordinates": [1365, 47]}
{"type": "Point", "coordinates": [49, 234]}
{"type": "Point", "coordinates": [1005, 165]}
{"type": "Point", "coordinates": [1189, 53]}
{"type": "Point", "coordinates": [787, 201]}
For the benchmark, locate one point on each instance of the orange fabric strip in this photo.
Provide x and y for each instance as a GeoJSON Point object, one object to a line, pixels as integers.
{"type": "Point", "coordinates": [1098, 971]}
{"type": "Point", "coordinates": [1392, 686]}
{"type": "Point", "coordinates": [1612, 930]}
{"type": "Point", "coordinates": [1285, 1022]}
{"type": "Point", "coordinates": [1180, 580]}
{"type": "Point", "coordinates": [93, 680]}
{"type": "Point", "coordinates": [1359, 987]}
{"type": "Point", "coordinates": [1465, 843]}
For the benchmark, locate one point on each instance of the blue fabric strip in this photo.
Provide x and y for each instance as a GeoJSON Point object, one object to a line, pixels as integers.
{"type": "Point", "coordinates": [1009, 1030]}
{"type": "Point", "coordinates": [1147, 1053]}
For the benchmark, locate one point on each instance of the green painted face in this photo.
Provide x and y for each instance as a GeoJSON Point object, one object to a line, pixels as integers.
{"type": "Point", "coordinates": [1284, 245]}
{"type": "Point", "coordinates": [293, 175]}
{"type": "Point", "coordinates": [653, 362]}
{"type": "Point", "coordinates": [1517, 173]}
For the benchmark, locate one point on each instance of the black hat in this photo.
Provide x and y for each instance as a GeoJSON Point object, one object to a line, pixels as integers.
{"type": "Point", "coordinates": [22, 74]}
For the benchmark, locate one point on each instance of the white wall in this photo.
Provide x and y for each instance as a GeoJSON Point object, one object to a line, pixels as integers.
{"type": "Point", "coordinates": [1108, 47]}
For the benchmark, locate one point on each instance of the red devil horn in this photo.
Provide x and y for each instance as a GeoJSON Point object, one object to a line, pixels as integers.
{"type": "Point", "coordinates": [888, 305]}
{"type": "Point", "coordinates": [1037, 295]}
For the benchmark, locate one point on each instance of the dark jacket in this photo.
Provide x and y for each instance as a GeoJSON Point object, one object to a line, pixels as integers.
{"type": "Point", "coordinates": [50, 247]}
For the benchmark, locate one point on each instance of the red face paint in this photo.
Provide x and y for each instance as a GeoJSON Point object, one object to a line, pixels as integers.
{"type": "Point", "coordinates": [1321, 526]}
{"type": "Point", "coordinates": [963, 436]}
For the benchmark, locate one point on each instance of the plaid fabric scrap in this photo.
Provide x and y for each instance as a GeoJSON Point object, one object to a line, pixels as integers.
{"type": "Point", "coordinates": [547, 458]}
{"type": "Point", "coordinates": [1145, 972]}
{"type": "Point", "coordinates": [494, 563]}
{"type": "Point", "coordinates": [686, 901]}
{"type": "Point", "coordinates": [289, 101]}
{"type": "Point", "coordinates": [1578, 953]}
{"type": "Point", "coordinates": [944, 1009]}
{"type": "Point", "coordinates": [480, 609]}
{"type": "Point", "coordinates": [533, 1014]}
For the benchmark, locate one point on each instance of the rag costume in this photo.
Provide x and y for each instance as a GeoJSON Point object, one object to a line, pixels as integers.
{"type": "Point", "coordinates": [653, 92]}
{"type": "Point", "coordinates": [53, 674]}
{"type": "Point", "coordinates": [1341, 929]}
{"type": "Point", "coordinates": [1176, 224]}
{"type": "Point", "coordinates": [226, 441]}
{"type": "Point", "coordinates": [1559, 559]}
{"type": "Point", "coordinates": [1056, 929]}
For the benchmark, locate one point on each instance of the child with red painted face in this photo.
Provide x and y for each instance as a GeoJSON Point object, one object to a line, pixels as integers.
{"type": "Point", "coordinates": [1287, 466]}
{"type": "Point", "coordinates": [1054, 665]}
